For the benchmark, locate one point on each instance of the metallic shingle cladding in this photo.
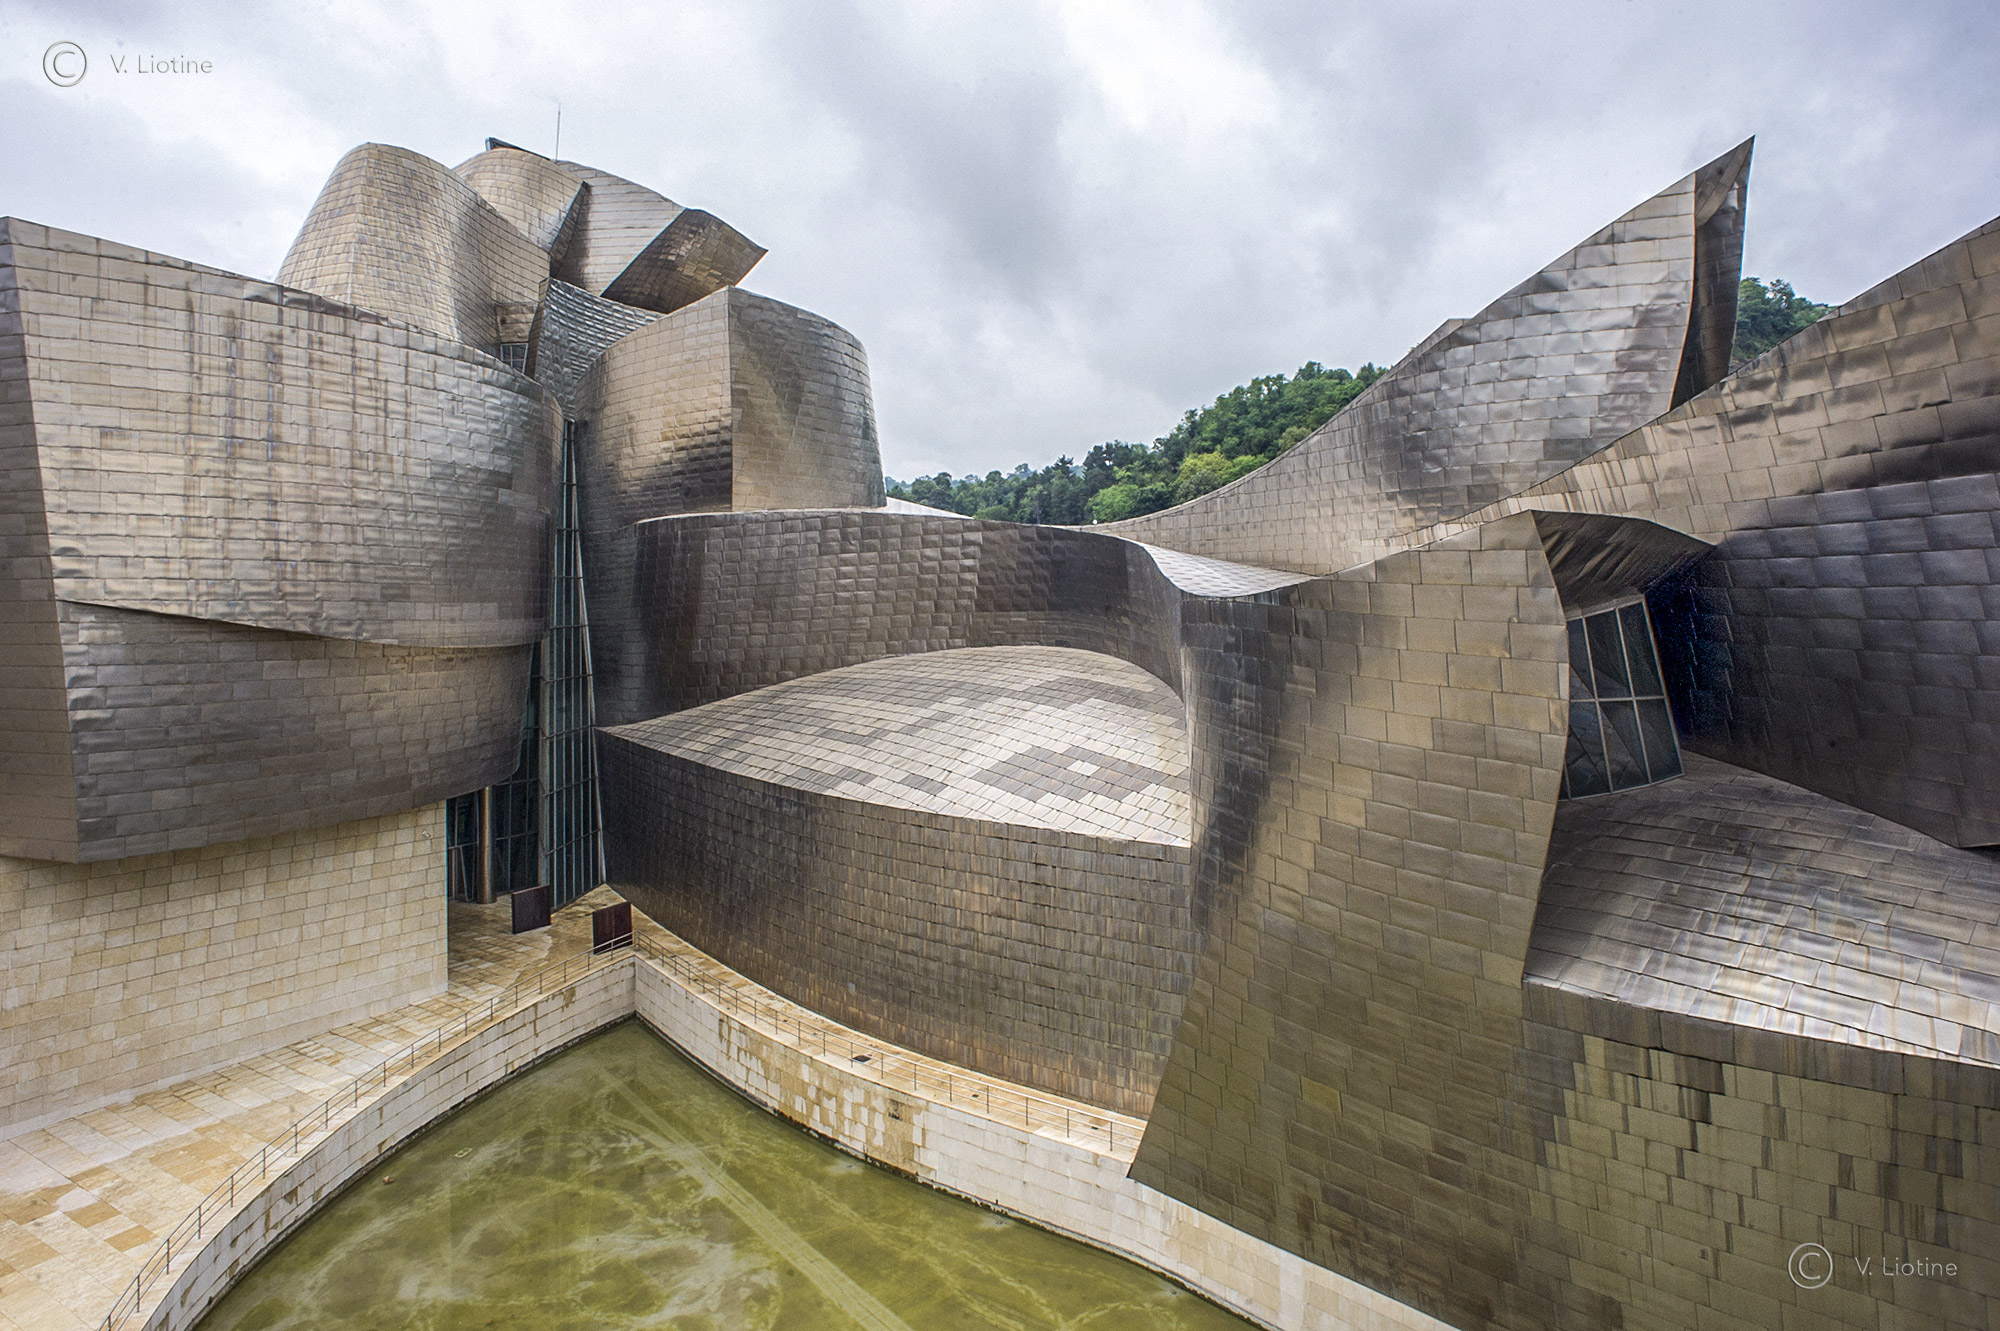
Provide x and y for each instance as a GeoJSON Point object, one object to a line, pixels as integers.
{"type": "Point", "coordinates": [572, 328]}
{"type": "Point", "coordinates": [1738, 898]}
{"type": "Point", "coordinates": [37, 786]}
{"type": "Point", "coordinates": [864, 756]}
{"type": "Point", "coordinates": [260, 544]}
{"type": "Point", "coordinates": [697, 253]}
{"type": "Point", "coordinates": [534, 194]}
{"type": "Point", "coordinates": [186, 732]}
{"type": "Point", "coordinates": [804, 433]}
{"type": "Point", "coordinates": [720, 604]}
{"type": "Point", "coordinates": [619, 220]}
{"type": "Point", "coordinates": [222, 448]}
{"type": "Point", "coordinates": [1582, 352]}
{"type": "Point", "coordinates": [1845, 624]}
{"type": "Point", "coordinates": [1377, 762]}
{"type": "Point", "coordinates": [1033, 736]}
{"type": "Point", "coordinates": [398, 234]}
{"type": "Point", "coordinates": [1053, 959]}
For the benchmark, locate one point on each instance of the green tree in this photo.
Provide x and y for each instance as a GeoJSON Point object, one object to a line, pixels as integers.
{"type": "Point", "coordinates": [1239, 432]}
{"type": "Point", "coordinates": [1766, 316]}
{"type": "Point", "coordinates": [1200, 473]}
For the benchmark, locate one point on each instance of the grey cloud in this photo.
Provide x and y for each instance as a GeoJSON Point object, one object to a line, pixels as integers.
{"type": "Point", "coordinates": [1032, 267]}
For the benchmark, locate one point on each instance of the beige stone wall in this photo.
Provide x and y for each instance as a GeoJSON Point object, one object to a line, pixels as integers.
{"type": "Point", "coordinates": [126, 974]}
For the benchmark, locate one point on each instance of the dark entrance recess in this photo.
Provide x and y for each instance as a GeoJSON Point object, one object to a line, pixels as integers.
{"type": "Point", "coordinates": [531, 908]}
{"type": "Point", "coordinates": [611, 927]}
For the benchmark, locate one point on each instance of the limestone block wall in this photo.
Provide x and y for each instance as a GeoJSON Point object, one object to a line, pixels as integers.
{"type": "Point", "coordinates": [379, 1126]}
{"type": "Point", "coordinates": [117, 977]}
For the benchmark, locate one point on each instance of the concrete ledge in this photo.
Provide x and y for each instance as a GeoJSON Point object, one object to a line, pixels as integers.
{"type": "Point", "coordinates": [479, 1062]}
{"type": "Point", "coordinates": [1058, 1184]}
{"type": "Point", "coordinates": [1044, 1176]}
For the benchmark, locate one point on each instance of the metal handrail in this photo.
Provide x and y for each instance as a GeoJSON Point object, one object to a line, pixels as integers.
{"type": "Point", "coordinates": [221, 1200]}
{"type": "Point", "coordinates": [922, 1077]}
{"type": "Point", "coordinates": [882, 1063]}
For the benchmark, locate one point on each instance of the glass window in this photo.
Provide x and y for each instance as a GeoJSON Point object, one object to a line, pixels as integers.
{"type": "Point", "coordinates": [572, 848]}
{"type": "Point", "coordinates": [1621, 733]}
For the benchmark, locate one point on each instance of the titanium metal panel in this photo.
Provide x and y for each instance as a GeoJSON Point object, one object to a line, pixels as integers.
{"type": "Point", "coordinates": [619, 220]}
{"type": "Point", "coordinates": [37, 784]}
{"type": "Point", "coordinates": [192, 733]}
{"type": "Point", "coordinates": [733, 401]}
{"type": "Point", "coordinates": [572, 328]}
{"type": "Point", "coordinates": [398, 234]}
{"type": "Point", "coordinates": [1377, 758]}
{"type": "Point", "coordinates": [1847, 620]}
{"type": "Point", "coordinates": [536, 196]}
{"type": "Point", "coordinates": [1591, 347]}
{"type": "Point", "coordinates": [271, 562]}
{"type": "Point", "coordinates": [707, 606]}
{"type": "Point", "coordinates": [804, 433]}
{"type": "Point", "coordinates": [1597, 560]}
{"type": "Point", "coordinates": [697, 254]}
{"type": "Point", "coordinates": [221, 448]}
{"type": "Point", "coordinates": [1033, 736]}
{"type": "Point", "coordinates": [1053, 959]}
{"type": "Point", "coordinates": [1731, 896]}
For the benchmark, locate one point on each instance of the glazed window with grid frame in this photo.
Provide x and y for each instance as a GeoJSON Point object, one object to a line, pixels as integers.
{"type": "Point", "coordinates": [1621, 731]}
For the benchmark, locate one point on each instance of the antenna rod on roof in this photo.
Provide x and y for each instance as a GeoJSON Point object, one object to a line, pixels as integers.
{"type": "Point", "coordinates": [558, 152]}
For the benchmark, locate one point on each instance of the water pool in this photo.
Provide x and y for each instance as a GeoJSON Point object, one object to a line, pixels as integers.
{"type": "Point", "coordinates": [617, 1185]}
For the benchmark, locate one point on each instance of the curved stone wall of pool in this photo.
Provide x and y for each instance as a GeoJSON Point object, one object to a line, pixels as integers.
{"type": "Point", "coordinates": [1041, 1176]}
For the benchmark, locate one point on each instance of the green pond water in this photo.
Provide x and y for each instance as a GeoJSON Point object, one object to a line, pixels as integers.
{"type": "Point", "coordinates": [617, 1185]}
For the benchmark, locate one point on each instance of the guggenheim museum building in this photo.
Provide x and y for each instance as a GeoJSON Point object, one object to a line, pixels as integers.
{"type": "Point", "coordinates": [1528, 850]}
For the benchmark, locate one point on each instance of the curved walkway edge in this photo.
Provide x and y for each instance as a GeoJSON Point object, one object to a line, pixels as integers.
{"type": "Point", "coordinates": [1054, 1163]}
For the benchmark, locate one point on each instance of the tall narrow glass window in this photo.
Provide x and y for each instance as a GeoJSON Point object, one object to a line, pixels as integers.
{"type": "Point", "coordinates": [1620, 731]}
{"type": "Point", "coordinates": [572, 854]}
{"type": "Point", "coordinates": [463, 847]}
{"type": "Point", "coordinates": [512, 809]}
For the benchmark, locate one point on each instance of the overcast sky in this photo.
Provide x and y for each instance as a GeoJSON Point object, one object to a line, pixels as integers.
{"type": "Point", "coordinates": [1054, 224]}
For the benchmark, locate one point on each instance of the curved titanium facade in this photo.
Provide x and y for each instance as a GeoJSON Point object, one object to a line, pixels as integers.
{"type": "Point", "coordinates": [1414, 1048]}
{"type": "Point", "coordinates": [1734, 897]}
{"type": "Point", "coordinates": [910, 843]}
{"type": "Point", "coordinates": [540, 199]}
{"type": "Point", "coordinates": [1203, 828]}
{"type": "Point", "coordinates": [618, 221]}
{"type": "Point", "coordinates": [721, 604]}
{"type": "Point", "coordinates": [229, 544]}
{"type": "Point", "coordinates": [398, 234]}
{"type": "Point", "coordinates": [695, 255]}
{"type": "Point", "coordinates": [1598, 343]}
{"type": "Point", "coordinates": [1843, 635]}
{"type": "Point", "coordinates": [1037, 736]}
{"type": "Point", "coordinates": [572, 328]}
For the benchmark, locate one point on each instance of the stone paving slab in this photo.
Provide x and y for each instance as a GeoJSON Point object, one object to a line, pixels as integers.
{"type": "Point", "coordinates": [85, 1200]}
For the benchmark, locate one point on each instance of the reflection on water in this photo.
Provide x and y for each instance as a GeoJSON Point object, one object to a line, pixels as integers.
{"type": "Point", "coordinates": [619, 1186]}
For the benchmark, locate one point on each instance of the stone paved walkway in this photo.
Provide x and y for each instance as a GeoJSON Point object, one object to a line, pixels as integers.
{"type": "Point", "coordinates": [85, 1200]}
